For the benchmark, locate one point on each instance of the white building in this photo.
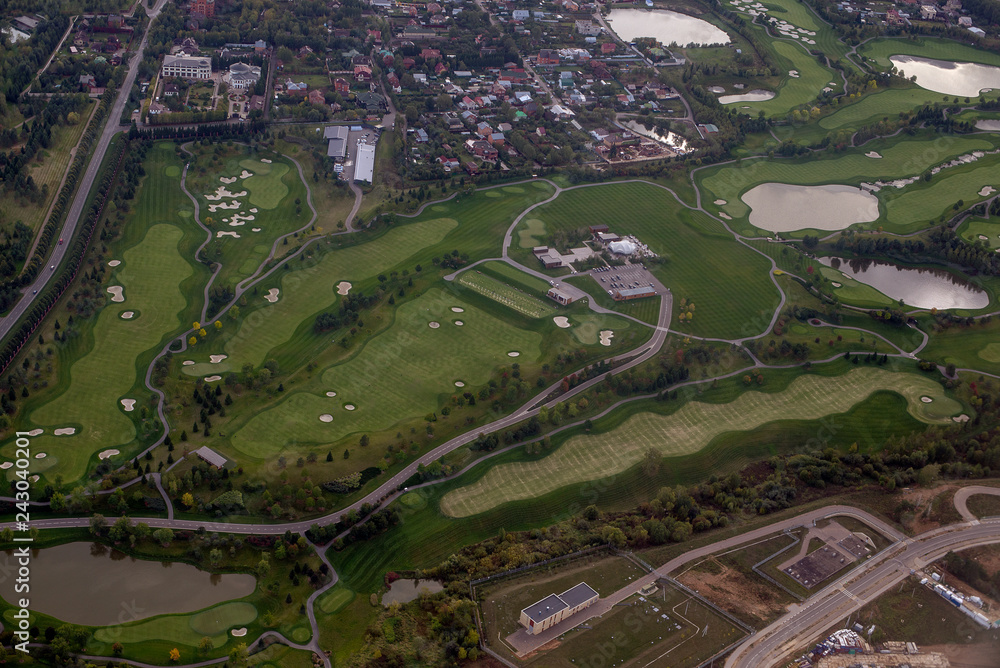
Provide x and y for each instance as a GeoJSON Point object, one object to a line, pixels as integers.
{"type": "Point", "coordinates": [243, 76]}
{"type": "Point", "coordinates": [557, 607]}
{"type": "Point", "coordinates": [365, 168]}
{"type": "Point", "coordinates": [622, 247]}
{"type": "Point", "coordinates": [187, 67]}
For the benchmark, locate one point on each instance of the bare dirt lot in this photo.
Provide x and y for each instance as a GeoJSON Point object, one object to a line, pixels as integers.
{"type": "Point", "coordinates": [980, 655]}
{"type": "Point", "coordinates": [736, 593]}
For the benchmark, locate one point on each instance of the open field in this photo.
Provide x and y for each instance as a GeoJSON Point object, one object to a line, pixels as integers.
{"type": "Point", "coordinates": [668, 628]}
{"type": "Point", "coordinates": [689, 429]}
{"type": "Point", "coordinates": [505, 294]}
{"type": "Point", "coordinates": [727, 281]}
{"type": "Point", "coordinates": [401, 372]}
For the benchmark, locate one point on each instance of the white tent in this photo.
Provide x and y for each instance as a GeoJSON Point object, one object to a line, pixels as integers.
{"type": "Point", "coordinates": [622, 247]}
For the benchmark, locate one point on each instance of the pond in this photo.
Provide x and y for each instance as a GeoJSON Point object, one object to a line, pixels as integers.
{"type": "Point", "coordinates": [404, 591]}
{"type": "Point", "coordinates": [948, 77]}
{"type": "Point", "coordinates": [91, 584]}
{"type": "Point", "coordinates": [921, 288]}
{"type": "Point", "coordinates": [665, 26]}
{"type": "Point", "coordinates": [781, 207]}
{"type": "Point", "coordinates": [756, 95]}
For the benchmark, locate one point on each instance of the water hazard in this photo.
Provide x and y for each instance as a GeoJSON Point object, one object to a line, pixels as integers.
{"type": "Point", "coordinates": [665, 26]}
{"type": "Point", "coordinates": [781, 207]}
{"type": "Point", "coordinates": [922, 288]}
{"type": "Point", "coordinates": [948, 77]}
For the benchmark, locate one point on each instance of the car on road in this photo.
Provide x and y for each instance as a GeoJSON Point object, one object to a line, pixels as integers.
{"type": "Point", "coordinates": [60, 242]}
{"type": "Point", "coordinates": [34, 292]}
{"type": "Point", "coordinates": [52, 267]}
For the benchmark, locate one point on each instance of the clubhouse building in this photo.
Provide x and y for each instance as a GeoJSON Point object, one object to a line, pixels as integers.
{"type": "Point", "coordinates": [556, 607]}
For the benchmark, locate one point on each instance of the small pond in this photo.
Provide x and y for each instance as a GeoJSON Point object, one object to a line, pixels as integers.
{"type": "Point", "coordinates": [756, 95]}
{"type": "Point", "coordinates": [948, 77]}
{"type": "Point", "coordinates": [922, 288]}
{"type": "Point", "coordinates": [670, 139]}
{"type": "Point", "coordinates": [404, 591]}
{"type": "Point", "coordinates": [781, 207]}
{"type": "Point", "coordinates": [91, 584]}
{"type": "Point", "coordinates": [665, 26]}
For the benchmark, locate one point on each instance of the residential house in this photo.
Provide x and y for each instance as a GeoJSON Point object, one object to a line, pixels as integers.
{"type": "Point", "coordinates": [340, 85]}
{"type": "Point", "coordinates": [186, 67]}
{"type": "Point", "coordinates": [316, 97]}
{"type": "Point", "coordinates": [296, 88]}
{"type": "Point", "coordinates": [362, 73]}
{"type": "Point", "coordinates": [483, 129]}
{"type": "Point", "coordinates": [588, 28]}
{"type": "Point", "coordinates": [481, 149]}
{"type": "Point", "coordinates": [243, 76]}
{"type": "Point", "coordinates": [430, 54]}
{"type": "Point", "coordinates": [170, 90]}
{"type": "Point", "coordinates": [547, 57]}
{"type": "Point", "coordinates": [928, 12]}
{"type": "Point", "coordinates": [608, 47]}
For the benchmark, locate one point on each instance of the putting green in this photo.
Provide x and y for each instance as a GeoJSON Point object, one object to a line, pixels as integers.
{"type": "Point", "coordinates": [301, 634]}
{"type": "Point", "coordinates": [975, 228]}
{"type": "Point", "coordinates": [991, 353]}
{"type": "Point", "coordinates": [587, 328]}
{"type": "Point", "coordinates": [172, 170]}
{"type": "Point", "coordinates": [688, 430]}
{"type": "Point", "coordinates": [400, 373]}
{"type": "Point", "coordinates": [151, 275]}
{"type": "Point", "coordinates": [305, 292]}
{"type": "Point", "coordinates": [335, 599]}
{"type": "Point", "coordinates": [223, 617]}
{"type": "Point", "coordinates": [531, 234]}
{"type": "Point", "coordinates": [266, 186]}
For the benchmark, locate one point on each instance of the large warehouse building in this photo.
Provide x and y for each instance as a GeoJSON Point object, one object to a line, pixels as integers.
{"type": "Point", "coordinates": [555, 608]}
{"type": "Point", "coordinates": [365, 168]}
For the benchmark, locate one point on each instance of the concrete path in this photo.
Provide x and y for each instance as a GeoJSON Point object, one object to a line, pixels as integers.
{"type": "Point", "coordinates": [962, 500]}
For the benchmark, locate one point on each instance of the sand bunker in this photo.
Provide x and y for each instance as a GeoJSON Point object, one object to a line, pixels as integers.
{"type": "Point", "coordinates": [104, 454]}
{"type": "Point", "coordinates": [960, 418]}
{"type": "Point", "coordinates": [239, 219]}
{"type": "Point", "coordinates": [793, 73]}
{"type": "Point", "coordinates": [117, 293]}
{"type": "Point", "coordinates": [459, 383]}
{"type": "Point", "coordinates": [65, 431]}
{"type": "Point", "coordinates": [726, 216]}
{"type": "Point", "coordinates": [561, 321]}
{"type": "Point", "coordinates": [245, 174]}
{"type": "Point", "coordinates": [114, 263]}
{"type": "Point", "coordinates": [187, 362]}
{"type": "Point", "coordinates": [6, 465]}
{"type": "Point", "coordinates": [235, 204]}
{"type": "Point", "coordinates": [331, 394]}
{"type": "Point", "coordinates": [872, 154]}
{"type": "Point", "coordinates": [212, 379]}
{"type": "Point", "coordinates": [34, 478]}
{"type": "Point", "coordinates": [129, 404]}
{"type": "Point", "coordinates": [513, 353]}
{"type": "Point", "coordinates": [256, 229]}
{"type": "Point", "coordinates": [987, 190]}
{"type": "Point", "coordinates": [272, 295]}
{"type": "Point", "coordinates": [456, 309]}
{"type": "Point", "coordinates": [983, 237]}
{"type": "Point", "coordinates": [606, 335]}
{"type": "Point", "coordinates": [127, 315]}
{"type": "Point", "coordinates": [40, 455]}
{"type": "Point", "coordinates": [926, 400]}
{"type": "Point", "coordinates": [240, 632]}
{"type": "Point", "coordinates": [223, 233]}
{"type": "Point", "coordinates": [36, 432]}
{"type": "Point", "coordinates": [343, 288]}
{"type": "Point", "coordinates": [349, 407]}
{"type": "Point", "coordinates": [265, 161]}
{"type": "Point", "coordinates": [253, 210]}
{"type": "Point", "coordinates": [215, 359]}
{"type": "Point", "coordinates": [222, 192]}
{"type": "Point", "coordinates": [434, 325]}
{"type": "Point", "coordinates": [326, 417]}
{"type": "Point", "coordinates": [227, 179]}
{"type": "Point", "coordinates": [835, 284]}
{"type": "Point", "coordinates": [720, 202]}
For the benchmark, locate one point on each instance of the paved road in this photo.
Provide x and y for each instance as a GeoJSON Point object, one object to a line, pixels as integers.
{"type": "Point", "coordinates": [962, 499]}
{"type": "Point", "coordinates": [111, 128]}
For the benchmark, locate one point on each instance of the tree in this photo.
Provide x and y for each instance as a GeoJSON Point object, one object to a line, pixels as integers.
{"type": "Point", "coordinates": [239, 656]}
{"type": "Point", "coordinates": [163, 536]}
{"type": "Point", "coordinates": [97, 523]}
{"type": "Point", "coordinates": [365, 440]}
{"type": "Point", "coordinates": [205, 645]}
{"type": "Point", "coordinates": [117, 649]}
{"type": "Point", "coordinates": [329, 456]}
{"type": "Point", "coordinates": [218, 324]}
{"type": "Point", "coordinates": [651, 462]}
{"type": "Point", "coordinates": [175, 655]}
{"type": "Point", "coordinates": [187, 499]}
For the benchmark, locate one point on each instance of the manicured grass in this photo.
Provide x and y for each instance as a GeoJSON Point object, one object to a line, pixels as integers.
{"type": "Point", "coordinates": [876, 106]}
{"type": "Point", "coordinates": [922, 201]}
{"type": "Point", "coordinates": [516, 277]}
{"type": "Point", "coordinates": [151, 274]}
{"type": "Point", "coordinates": [702, 262]}
{"type": "Point", "coordinates": [793, 92]}
{"type": "Point", "coordinates": [688, 430]}
{"type": "Point", "coordinates": [265, 186]}
{"type": "Point", "coordinates": [900, 158]}
{"type": "Point", "coordinates": [183, 629]}
{"type": "Point", "coordinates": [852, 291]}
{"type": "Point", "coordinates": [531, 234]}
{"type": "Point", "coordinates": [880, 50]}
{"type": "Point", "coordinates": [967, 347]}
{"type": "Point", "coordinates": [336, 598]}
{"type": "Point", "coordinates": [973, 228]}
{"type": "Point", "coordinates": [505, 294]}
{"type": "Point", "coordinates": [400, 373]}
{"type": "Point", "coordinates": [311, 290]}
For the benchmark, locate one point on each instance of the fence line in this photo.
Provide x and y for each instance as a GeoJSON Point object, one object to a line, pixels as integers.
{"type": "Point", "coordinates": [767, 577]}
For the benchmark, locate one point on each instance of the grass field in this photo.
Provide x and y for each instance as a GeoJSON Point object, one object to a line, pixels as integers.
{"type": "Point", "coordinates": [920, 202]}
{"type": "Point", "coordinates": [970, 347]}
{"type": "Point", "coordinates": [265, 186]}
{"type": "Point", "coordinates": [900, 158]}
{"type": "Point", "coordinates": [184, 629]}
{"type": "Point", "coordinates": [876, 106]}
{"type": "Point", "coordinates": [703, 264]}
{"type": "Point", "coordinates": [879, 50]}
{"type": "Point", "coordinates": [793, 92]}
{"type": "Point", "coordinates": [531, 234]}
{"type": "Point", "coordinates": [151, 274]}
{"type": "Point", "coordinates": [689, 429]}
{"type": "Point", "coordinates": [852, 291]}
{"type": "Point", "coordinates": [516, 277]}
{"type": "Point", "coordinates": [402, 372]}
{"type": "Point", "coordinates": [974, 228]}
{"type": "Point", "coordinates": [505, 294]}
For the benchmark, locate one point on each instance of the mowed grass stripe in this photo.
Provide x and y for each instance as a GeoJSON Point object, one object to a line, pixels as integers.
{"type": "Point", "coordinates": [309, 291]}
{"type": "Point", "coordinates": [505, 294]}
{"type": "Point", "coordinates": [689, 429]}
{"type": "Point", "coordinates": [400, 373]}
{"type": "Point", "coordinates": [151, 274]}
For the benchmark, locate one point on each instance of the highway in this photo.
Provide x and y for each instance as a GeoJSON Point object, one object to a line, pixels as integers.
{"type": "Point", "coordinates": [73, 217]}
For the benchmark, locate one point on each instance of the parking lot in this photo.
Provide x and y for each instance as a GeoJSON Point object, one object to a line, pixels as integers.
{"type": "Point", "coordinates": [625, 277]}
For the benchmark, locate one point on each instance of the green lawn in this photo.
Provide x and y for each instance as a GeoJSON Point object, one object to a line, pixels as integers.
{"type": "Point", "coordinates": [728, 282]}
{"type": "Point", "coordinates": [515, 277]}
{"type": "Point", "coordinates": [506, 294]}
{"type": "Point", "coordinates": [972, 347]}
{"type": "Point", "coordinates": [793, 92]}
{"type": "Point", "coordinates": [184, 629]}
{"type": "Point", "coordinates": [400, 373]}
{"type": "Point", "coordinates": [920, 203]}
{"type": "Point", "coordinates": [688, 430]}
{"type": "Point", "coordinates": [881, 49]}
{"type": "Point", "coordinates": [974, 229]}
{"type": "Point", "coordinates": [852, 291]}
{"type": "Point", "coordinates": [266, 185]}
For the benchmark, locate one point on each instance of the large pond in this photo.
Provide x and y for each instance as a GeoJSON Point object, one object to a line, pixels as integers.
{"type": "Point", "coordinates": [756, 95]}
{"type": "Point", "coordinates": [922, 288]}
{"type": "Point", "coordinates": [665, 26]}
{"type": "Point", "coordinates": [781, 207]}
{"type": "Point", "coordinates": [88, 583]}
{"type": "Point", "coordinates": [948, 77]}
